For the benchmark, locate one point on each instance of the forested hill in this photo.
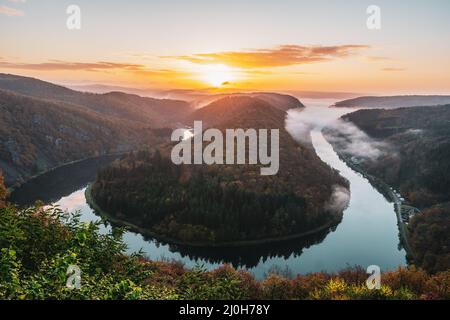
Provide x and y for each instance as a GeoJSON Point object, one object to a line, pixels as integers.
{"type": "Point", "coordinates": [223, 203]}
{"type": "Point", "coordinates": [281, 101]}
{"type": "Point", "coordinates": [44, 125]}
{"type": "Point", "coordinates": [296, 160]}
{"type": "Point", "coordinates": [416, 161]}
{"type": "Point", "coordinates": [36, 135]}
{"type": "Point", "coordinates": [390, 102]}
{"type": "Point", "coordinates": [420, 141]}
{"type": "Point", "coordinates": [154, 112]}
{"type": "Point", "coordinates": [240, 112]}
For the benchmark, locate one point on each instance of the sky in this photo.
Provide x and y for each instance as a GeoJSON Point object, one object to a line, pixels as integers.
{"type": "Point", "coordinates": [232, 45]}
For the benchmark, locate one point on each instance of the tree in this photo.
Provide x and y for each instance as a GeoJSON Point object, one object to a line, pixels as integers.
{"type": "Point", "coordinates": [3, 191]}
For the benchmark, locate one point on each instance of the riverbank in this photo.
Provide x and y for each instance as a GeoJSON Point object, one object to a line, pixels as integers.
{"type": "Point", "coordinates": [12, 188]}
{"type": "Point", "coordinates": [229, 244]}
{"type": "Point", "coordinates": [385, 190]}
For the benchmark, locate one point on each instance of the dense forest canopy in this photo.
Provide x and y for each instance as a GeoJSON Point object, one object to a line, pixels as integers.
{"type": "Point", "coordinates": [429, 236]}
{"type": "Point", "coordinates": [200, 205]}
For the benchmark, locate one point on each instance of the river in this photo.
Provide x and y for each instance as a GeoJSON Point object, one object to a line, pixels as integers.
{"type": "Point", "coordinates": [367, 235]}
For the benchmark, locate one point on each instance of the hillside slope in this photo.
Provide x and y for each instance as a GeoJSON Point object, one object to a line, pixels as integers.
{"type": "Point", "coordinates": [36, 135]}
{"type": "Point", "coordinates": [154, 112]}
{"type": "Point", "coordinates": [390, 102]}
{"type": "Point", "coordinates": [278, 100]}
{"type": "Point", "coordinates": [420, 137]}
{"type": "Point", "coordinates": [415, 159]}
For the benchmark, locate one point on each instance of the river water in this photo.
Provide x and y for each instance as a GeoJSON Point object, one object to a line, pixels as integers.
{"type": "Point", "coordinates": [367, 235]}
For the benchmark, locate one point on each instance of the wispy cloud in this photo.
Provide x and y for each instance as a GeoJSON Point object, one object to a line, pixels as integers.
{"type": "Point", "coordinates": [11, 12]}
{"type": "Point", "coordinates": [339, 200]}
{"type": "Point", "coordinates": [352, 140]}
{"type": "Point", "coordinates": [55, 65]}
{"type": "Point", "coordinates": [393, 69]}
{"type": "Point", "coordinates": [101, 66]}
{"type": "Point", "coordinates": [285, 55]}
{"type": "Point", "coordinates": [378, 58]}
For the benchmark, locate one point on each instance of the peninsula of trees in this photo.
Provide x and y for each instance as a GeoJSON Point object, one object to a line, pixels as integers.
{"type": "Point", "coordinates": [223, 204]}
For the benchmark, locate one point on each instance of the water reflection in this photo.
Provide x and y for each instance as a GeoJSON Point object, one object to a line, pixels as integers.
{"type": "Point", "coordinates": [59, 183]}
{"type": "Point", "coordinates": [247, 257]}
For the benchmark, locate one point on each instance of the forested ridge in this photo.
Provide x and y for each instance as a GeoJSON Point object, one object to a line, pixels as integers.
{"type": "Point", "coordinates": [154, 112]}
{"type": "Point", "coordinates": [222, 203]}
{"type": "Point", "coordinates": [43, 125]}
{"type": "Point", "coordinates": [37, 135]}
{"type": "Point", "coordinates": [416, 161]}
{"type": "Point", "coordinates": [394, 102]}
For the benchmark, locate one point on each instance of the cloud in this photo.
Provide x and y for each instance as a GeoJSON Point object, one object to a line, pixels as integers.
{"type": "Point", "coordinates": [348, 137]}
{"type": "Point", "coordinates": [11, 12]}
{"type": "Point", "coordinates": [285, 55]}
{"type": "Point", "coordinates": [378, 58]}
{"type": "Point", "coordinates": [100, 66]}
{"type": "Point", "coordinates": [339, 199]}
{"type": "Point", "coordinates": [355, 142]}
{"type": "Point", "coordinates": [299, 122]}
{"type": "Point", "coordinates": [392, 69]}
{"type": "Point", "coordinates": [54, 65]}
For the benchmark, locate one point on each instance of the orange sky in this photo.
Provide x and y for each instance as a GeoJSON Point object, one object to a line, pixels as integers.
{"type": "Point", "coordinates": [275, 45]}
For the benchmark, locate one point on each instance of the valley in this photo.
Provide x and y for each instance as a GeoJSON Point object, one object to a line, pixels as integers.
{"type": "Point", "coordinates": [309, 178]}
{"type": "Point", "coordinates": [235, 151]}
{"type": "Point", "coordinates": [356, 240]}
{"type": "Point", "coordinates": [412, 156]}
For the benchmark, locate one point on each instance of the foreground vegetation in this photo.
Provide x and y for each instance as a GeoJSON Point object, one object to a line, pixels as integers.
{"type": "Point", "coordinates": [37, 249]}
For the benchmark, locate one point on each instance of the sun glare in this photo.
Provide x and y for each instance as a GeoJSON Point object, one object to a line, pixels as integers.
{"type": "Point", "coordinates": [216, 75]}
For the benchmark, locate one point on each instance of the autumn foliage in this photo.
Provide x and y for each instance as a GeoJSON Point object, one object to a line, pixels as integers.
{"type": "Point", "coordinates": [37, 248]}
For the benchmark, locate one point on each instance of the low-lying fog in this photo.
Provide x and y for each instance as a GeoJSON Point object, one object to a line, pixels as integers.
{"type": "Point", "coordinates": [318, 114]}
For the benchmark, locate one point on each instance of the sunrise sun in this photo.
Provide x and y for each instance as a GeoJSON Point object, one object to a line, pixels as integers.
{"type": "Point", "coordinates": [216, 75]}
